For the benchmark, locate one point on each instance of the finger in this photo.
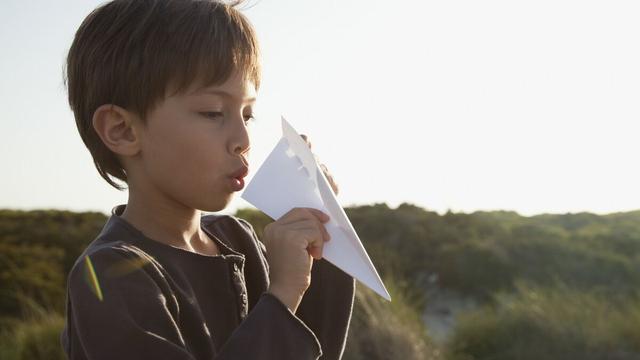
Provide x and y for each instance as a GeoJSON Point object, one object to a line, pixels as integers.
{"type": "Point", "coordinates": [332, 182]}
{"type": "Point", "coordinates": [306, 238]}
{"type": "Point", "coordinates": [297, 214]}
{"type": "Point", "coordinates": [311, 224]}
{"type": "Point", "coordinates": [315, 253]}
{"type": "Point", "coordinates": [306, 139]}
{"type": "Point", "coordinates": [334, 186]}
{"type": "Point", "coordinates": [302, 215]}
{"type": "Point", "coordinates": [325, 233]}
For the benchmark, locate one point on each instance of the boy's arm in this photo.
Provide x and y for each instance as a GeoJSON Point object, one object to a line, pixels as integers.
{"type": "Point", "coordinates": [327, 305]}
{"type": "Point", "coordinates": [120, 314]}
{"type": "Point", "coordinates": [271, 331]}
{"type": "Point", "coordinates": [130, 317]}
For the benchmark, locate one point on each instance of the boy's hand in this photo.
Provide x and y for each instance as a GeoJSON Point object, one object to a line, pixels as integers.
{"type": "Point", "coordinates": [332, 182]}
{"type": "Point", "coordinates": [292, 242]}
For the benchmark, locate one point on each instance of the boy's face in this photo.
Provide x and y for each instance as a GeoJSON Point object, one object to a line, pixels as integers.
{"type": "Point", "coordinates": [194, 144]}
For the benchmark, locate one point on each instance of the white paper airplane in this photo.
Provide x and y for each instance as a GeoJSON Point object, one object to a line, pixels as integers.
{"type": "Point", "coordinates": [290, 177]}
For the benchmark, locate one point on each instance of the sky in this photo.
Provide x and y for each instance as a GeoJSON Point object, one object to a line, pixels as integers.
{"type": "Point", "coordinates": [528, 106]}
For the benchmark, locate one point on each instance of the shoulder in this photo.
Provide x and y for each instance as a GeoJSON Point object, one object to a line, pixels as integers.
{"type": "Point", "coordinates": [115, 242]}
{"type": "Point", "coordinates": [106, 248]}
{"type": "Point", "coordinates": [104, 252]}
{"type": "Point", "coordinates": [106, 260]}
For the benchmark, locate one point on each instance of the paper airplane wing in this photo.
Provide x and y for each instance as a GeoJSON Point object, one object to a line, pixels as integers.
{"type": "Point", "coordinates": [290, 177]}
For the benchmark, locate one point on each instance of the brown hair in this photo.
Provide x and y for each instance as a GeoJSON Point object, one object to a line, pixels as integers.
{"type": "Point", "coordinates": [130, 53]}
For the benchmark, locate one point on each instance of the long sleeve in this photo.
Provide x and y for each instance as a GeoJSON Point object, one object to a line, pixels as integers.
{"type": "Point", "coordinates": [327, 306]}
{"type": "Point", "coordinates": [271, 331]}
{"type": "Point", "coordinates": [134, 315]}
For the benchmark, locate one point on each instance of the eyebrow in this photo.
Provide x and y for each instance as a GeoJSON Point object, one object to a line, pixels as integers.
{"type": "Point", "coordinates": [221, 93]}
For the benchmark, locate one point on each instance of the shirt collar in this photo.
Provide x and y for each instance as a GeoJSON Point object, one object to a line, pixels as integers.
{"type": "Point", "coordinates": [226, 249]}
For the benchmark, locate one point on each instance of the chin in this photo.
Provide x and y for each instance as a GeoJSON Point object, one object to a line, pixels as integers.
{"type": "Point", "coordinates": [217, 205]}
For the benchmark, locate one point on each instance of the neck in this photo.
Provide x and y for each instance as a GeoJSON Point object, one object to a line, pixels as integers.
{"type": "Point", "coordinates": [163, 219]}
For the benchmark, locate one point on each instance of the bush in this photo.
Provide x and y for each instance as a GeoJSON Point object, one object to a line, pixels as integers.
{"type": "Point", "coordinates": [555, 323]}
{"type": "Point", "coordinates": [383, 330]}
{"type": "Point", "coordinates": [37, 338]}
{"type": "Point", "coordinates": [30, 273]}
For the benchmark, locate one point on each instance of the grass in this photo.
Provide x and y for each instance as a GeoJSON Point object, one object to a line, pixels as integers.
{"type": "Point", "coordinates": [387, 330]}
{"type": "Point", "coordinates": [36, 337]}
{"type": "Point", "coordinates": [549, 323]}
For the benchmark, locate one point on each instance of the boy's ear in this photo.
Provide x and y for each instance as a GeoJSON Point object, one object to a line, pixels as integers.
{"type": "Point", "coordinates": [115, 126]}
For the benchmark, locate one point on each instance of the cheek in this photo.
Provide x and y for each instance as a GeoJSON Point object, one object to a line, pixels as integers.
{"type": "Point", "coordinates": [164, 146]}
{"type": "Point", "coordinates": [189, 159]}
{"type": "Point", "coordinates": [185, 150]}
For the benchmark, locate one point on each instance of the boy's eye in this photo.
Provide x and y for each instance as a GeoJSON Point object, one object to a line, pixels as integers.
{"type": "Point", "coordinates": [212, 114]}
{"type": "Point", "coordinates": [218, 114]}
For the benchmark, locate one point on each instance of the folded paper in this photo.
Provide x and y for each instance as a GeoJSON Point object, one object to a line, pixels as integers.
{"type": "Point", "coordinates": [290, 177]}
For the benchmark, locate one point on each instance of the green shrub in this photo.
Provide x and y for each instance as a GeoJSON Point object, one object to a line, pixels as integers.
{"type": "Point", "coordinates": [37, 338]}
{"type": "Point", "coordinates": [387, 330]}
{"type": "Point", "coordinates": [30, 272]}
{"type": "Point", "coordinates": [555, 323]}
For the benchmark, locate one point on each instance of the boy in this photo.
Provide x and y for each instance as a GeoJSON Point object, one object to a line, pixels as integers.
{"type": "Point", "coordinates": [162, 91]}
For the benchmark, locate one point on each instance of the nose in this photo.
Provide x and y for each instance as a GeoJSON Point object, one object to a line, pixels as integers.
{"type": "Point", "coordinates": [240, 142]}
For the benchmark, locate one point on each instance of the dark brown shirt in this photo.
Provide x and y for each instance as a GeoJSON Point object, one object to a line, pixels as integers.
{"type": "Point", "coordinates": [131, 297]}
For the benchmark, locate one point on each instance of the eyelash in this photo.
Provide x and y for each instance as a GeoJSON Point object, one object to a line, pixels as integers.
{"type": "Point", "coordinates": [248, 119]}
{"type": "Point", "coordinates": [214, 114]}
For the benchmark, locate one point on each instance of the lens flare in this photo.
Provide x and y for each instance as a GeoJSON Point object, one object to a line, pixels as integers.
{"type": "Point", "coordinates": [94, 285]}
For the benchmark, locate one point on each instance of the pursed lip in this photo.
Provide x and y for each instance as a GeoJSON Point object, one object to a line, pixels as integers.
{"type": "Point", "coordinates": [240, 173]}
